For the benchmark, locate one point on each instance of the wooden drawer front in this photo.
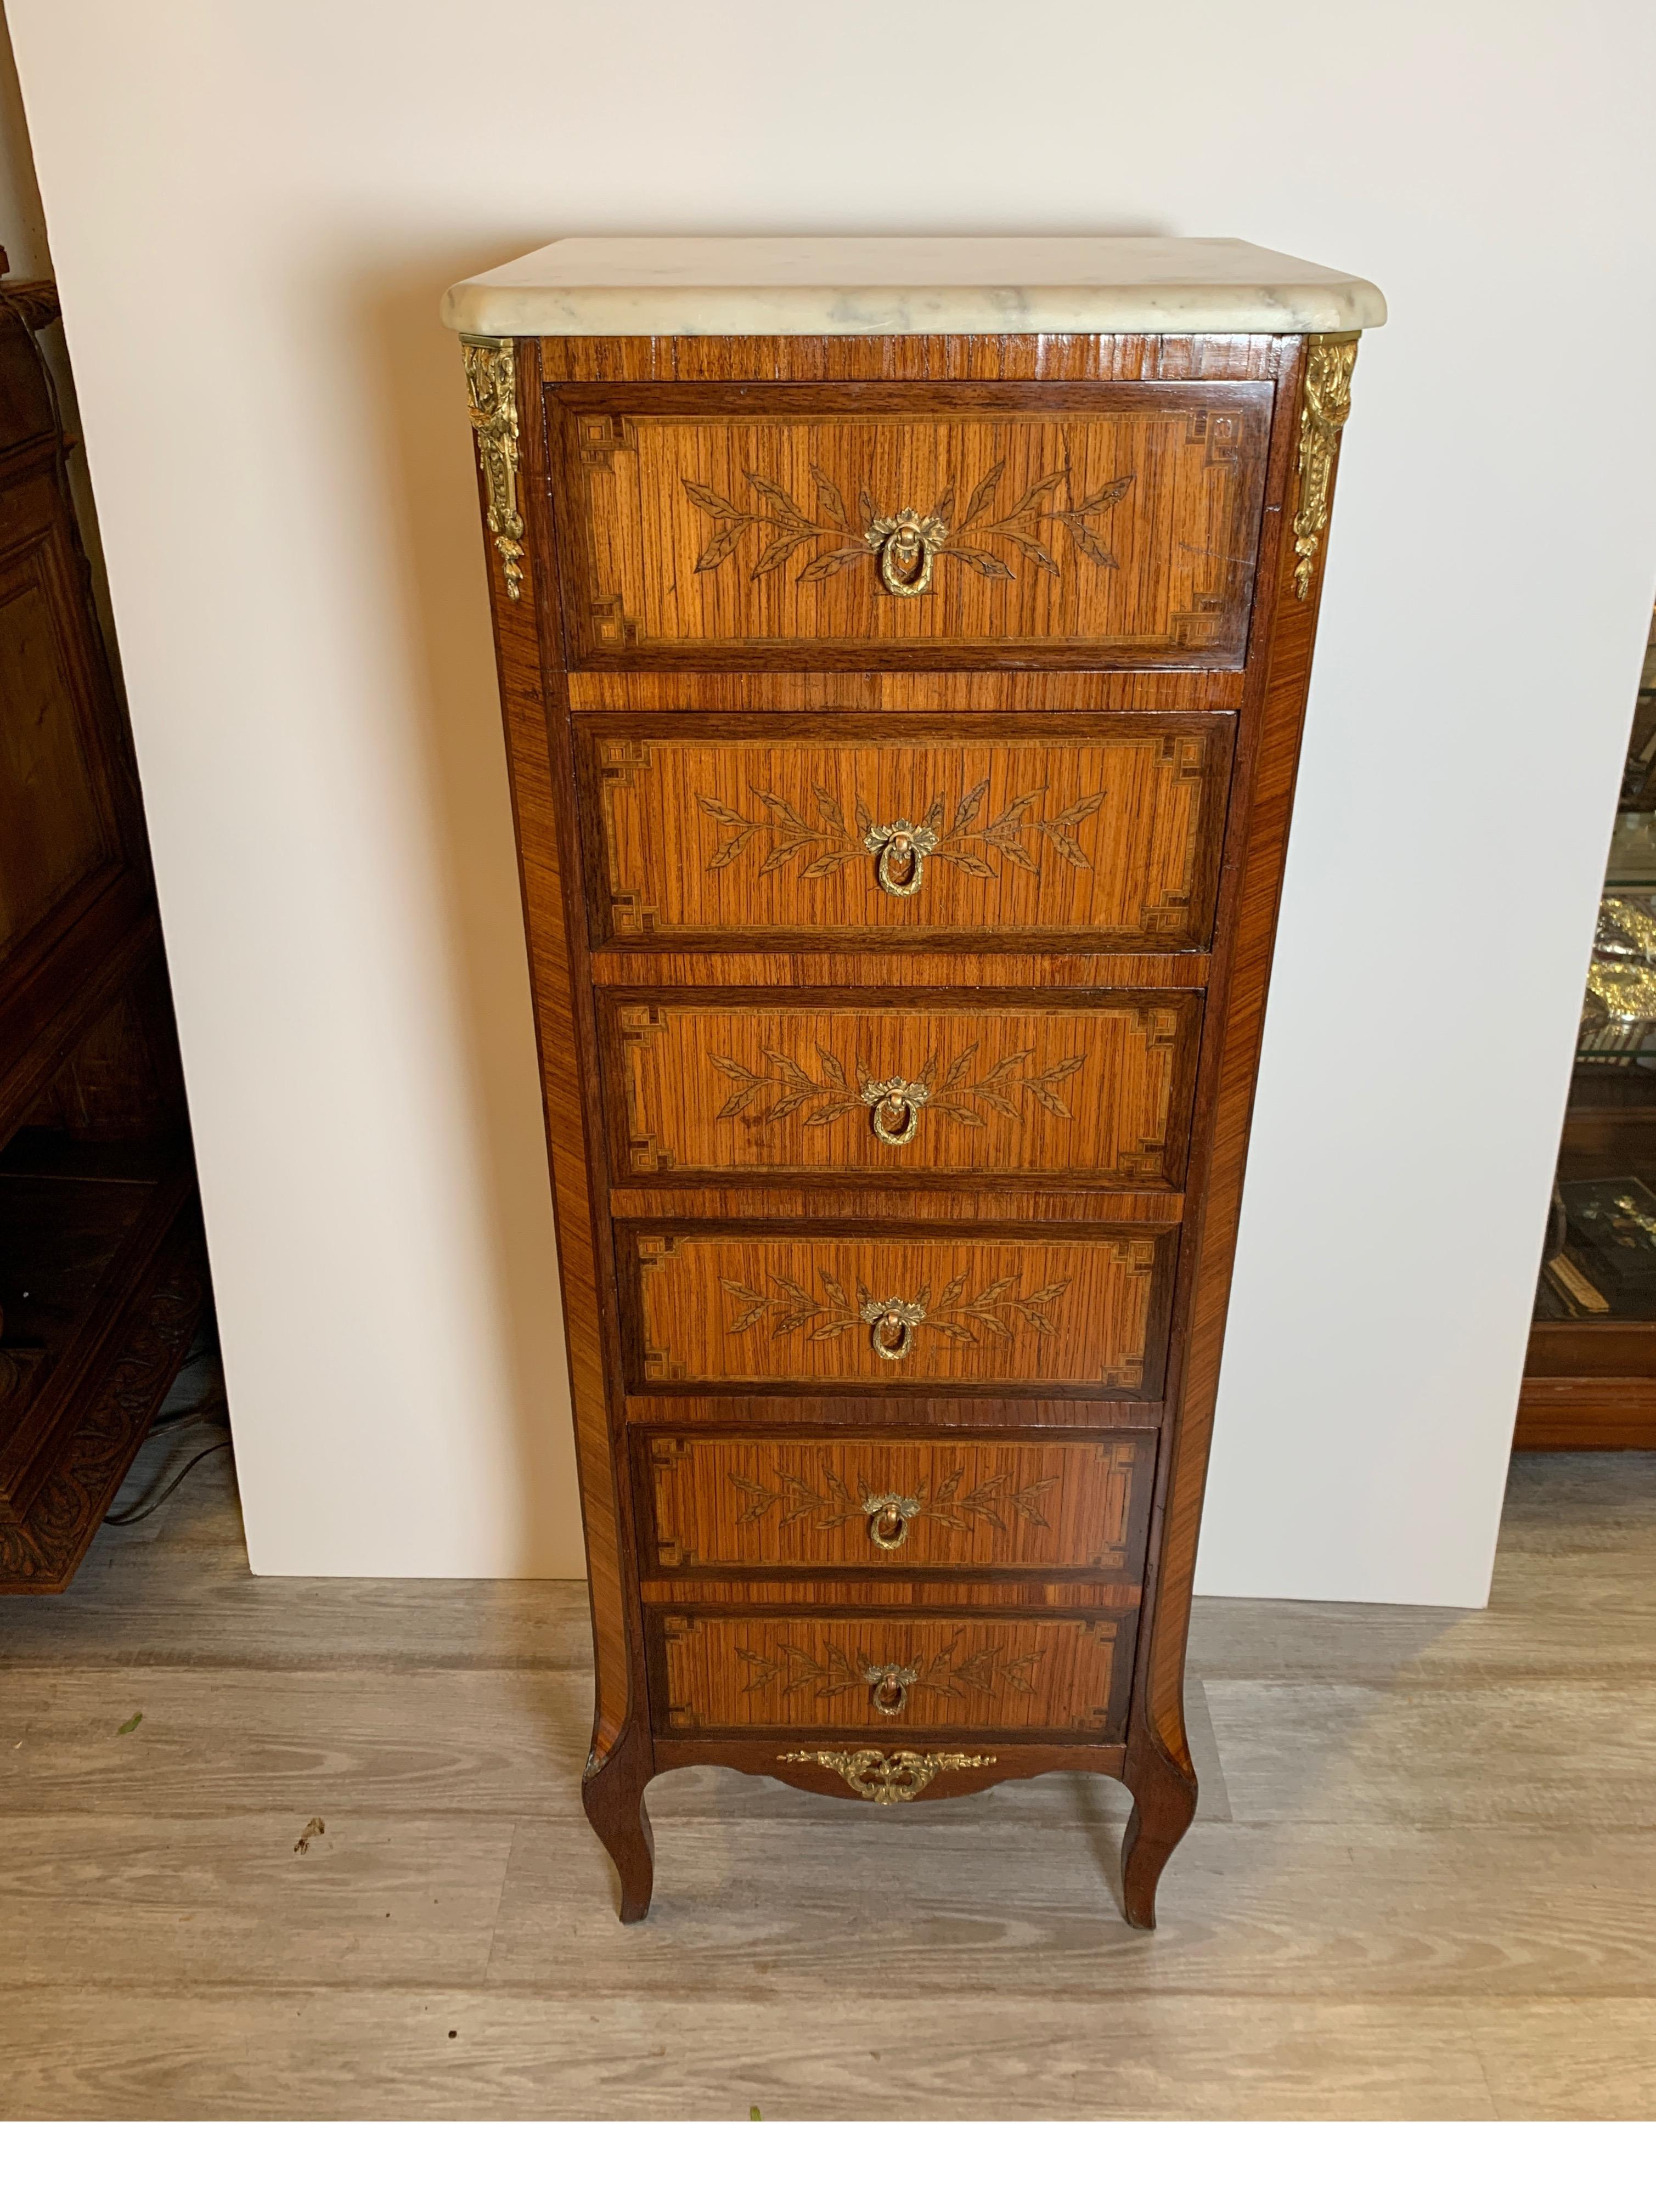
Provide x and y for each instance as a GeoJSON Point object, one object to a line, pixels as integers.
{"type": "Point", "coordinates": [716, 1308]}
{"type": "Point", "coordinates": [1103, 526]}
{"type": "Point", "coordinates": [1104, 829]}
{"type": "Point", "coordinates": [728, 1501]}
{"type": "Point", "coordinates": [1098, 1094]}
{"type": "Point", "coordinates": [816, 1674]}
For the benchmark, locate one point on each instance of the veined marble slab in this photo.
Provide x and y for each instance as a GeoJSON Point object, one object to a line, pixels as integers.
{"type": "Point", "coordinates": [851, 287]}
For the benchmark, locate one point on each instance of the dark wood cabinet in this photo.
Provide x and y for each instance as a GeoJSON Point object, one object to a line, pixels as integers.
{"type": "Point", "coordinates": [902, 731]}
{"type": "Point", "coordinates": [102, 1277]}
{"type": "Point", "coordinates": [1590, 1369]}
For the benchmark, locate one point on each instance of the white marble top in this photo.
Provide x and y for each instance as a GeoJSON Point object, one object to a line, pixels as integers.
{"type": "Point", "coordinates": [782, 287]}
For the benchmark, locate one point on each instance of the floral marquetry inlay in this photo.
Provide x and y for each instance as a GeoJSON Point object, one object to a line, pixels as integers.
{"type": "Point", "coordinates": [1125, 525]}
{"type": "Point", "coordinates": [955, 1502]}
{"type": "Point", "coordinates": [750, 1500]}
{"type": "Point", "coordinates": [1089, 1090]}
{"type": "Point", "coordinates": [938, 834]}
{"type": "Point", "coordinates": [998, 1309]}
{"type": "Point", "coordinates": [1044, 824]}
{"type": "Point", "coordinates": [1003, 1089]}
{"type": "Point", "coordinates": [866, 1309]}
{"type": "Point", "coordinates": [901, 545]}
{"type": "Point", "coordinates": [944, 1675]}
{"type": "Point", "coordinates": [895, 1668]}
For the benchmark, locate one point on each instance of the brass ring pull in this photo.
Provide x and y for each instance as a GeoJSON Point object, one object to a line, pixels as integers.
{"type": "Point", "coordinates": [892, 1322]}
{"type": "Point", "coordinates": [888, 1687]}
{"type": "Point", "coordinates": [889, 1516]}
{"type": "Point", "coordinates": [905, 542]}
{"type": "Point", "coordinates": [906, 563]}
{"type": "Point", "coordinates": [897, 1107]}
{"type": "Point", "coordinates": [901, 847]}
{"type": "Point", "coordinates": [890, 1347]}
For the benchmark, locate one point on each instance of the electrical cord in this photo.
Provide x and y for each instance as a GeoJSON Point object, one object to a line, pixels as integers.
{"type": "Point", "coordinates": [209, 1412]}
{"type": "Point", "coordinates": [158, 1498]}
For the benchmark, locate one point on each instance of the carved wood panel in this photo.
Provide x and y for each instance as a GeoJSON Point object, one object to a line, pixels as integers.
{"type": "Point", "coordinates": [57, 826]}
{"type": "Point", "coordinates": [1097, 1093]}
{"type": "Point", "coordinates": [101, 1273]}
{"type": "Point", "coordinates": [1032, 827]}
{"type": "Point", "coordinates": [746, 1502]}
{"type": "Point", "coordinates": [902, 1308]}
{"type": "Point", "coordinates": [828, 1676]}
{"type": "Point", "coordinates": [122, 1082]}
{"type": "Point", "coordinates": [53, 1496]}
{"type": "Point", "coordinates": [1119, 522]}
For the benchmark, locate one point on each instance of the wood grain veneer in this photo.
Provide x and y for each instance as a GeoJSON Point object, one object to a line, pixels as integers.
{"type": "Point", "coordinates": [966, 691]}
{"type": "Point", "coordinates": [912, 357]}
{"type": "Point", "coordinates": [717, 708]}
{"type": "Point", "coordinates": [1088, 1092]}
{"type": "Point", "coordinates": [1098, 524]}
{"type": "Point", "coordinates": [735, 830]}
{"type": "Point", "coordinates": [716, 1307]}
{"type": "Point", "coordinates": [783, 1502]}
{"type": "Point", "coordinates": [863, 1678]}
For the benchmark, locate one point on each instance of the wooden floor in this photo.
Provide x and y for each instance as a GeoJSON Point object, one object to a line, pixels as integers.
{"type": "Point", "coordinates": [1422, 1883]}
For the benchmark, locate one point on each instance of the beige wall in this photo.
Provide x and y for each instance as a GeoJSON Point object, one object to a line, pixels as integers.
{"type": "Point", "coordinates": [23, 219]}
{"type": "Point", "coordinates": [23, 235]}
{"type": "Point", "coordinates": [254, 211]}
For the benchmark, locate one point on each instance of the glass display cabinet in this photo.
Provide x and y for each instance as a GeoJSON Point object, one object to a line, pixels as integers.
{"type": "Point", "coordinates": [1590, 1375]}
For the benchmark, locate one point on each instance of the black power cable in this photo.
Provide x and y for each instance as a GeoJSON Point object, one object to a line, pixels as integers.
{"type": "Point", "coordinates": [157, 1498]}
{"type": "Point", "coordinates": [211, 1412]}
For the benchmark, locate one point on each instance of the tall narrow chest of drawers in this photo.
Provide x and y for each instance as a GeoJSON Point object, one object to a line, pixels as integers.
{"type": "Point", "coordinates": [903, 646]}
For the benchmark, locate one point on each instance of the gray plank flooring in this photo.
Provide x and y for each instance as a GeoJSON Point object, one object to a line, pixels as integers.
{"type": "Point", "coordinates": [1422, 1883]}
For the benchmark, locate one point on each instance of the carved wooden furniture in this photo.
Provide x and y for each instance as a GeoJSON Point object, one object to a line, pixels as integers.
{"type": "Point", "coordinates": [902, 647]}
{"type": "Point", "coordinates": [102, 1277]}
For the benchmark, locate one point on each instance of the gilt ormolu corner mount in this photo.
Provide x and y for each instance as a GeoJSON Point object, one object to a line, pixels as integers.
{"type": "Point", "coordinates": [904, 645]}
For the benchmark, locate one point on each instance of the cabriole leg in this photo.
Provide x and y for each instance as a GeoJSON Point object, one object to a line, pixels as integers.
{"type": "Point", "coordinates": [613, 1794]}
{"type": "Point", "coordinates": [1164, 1806]}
